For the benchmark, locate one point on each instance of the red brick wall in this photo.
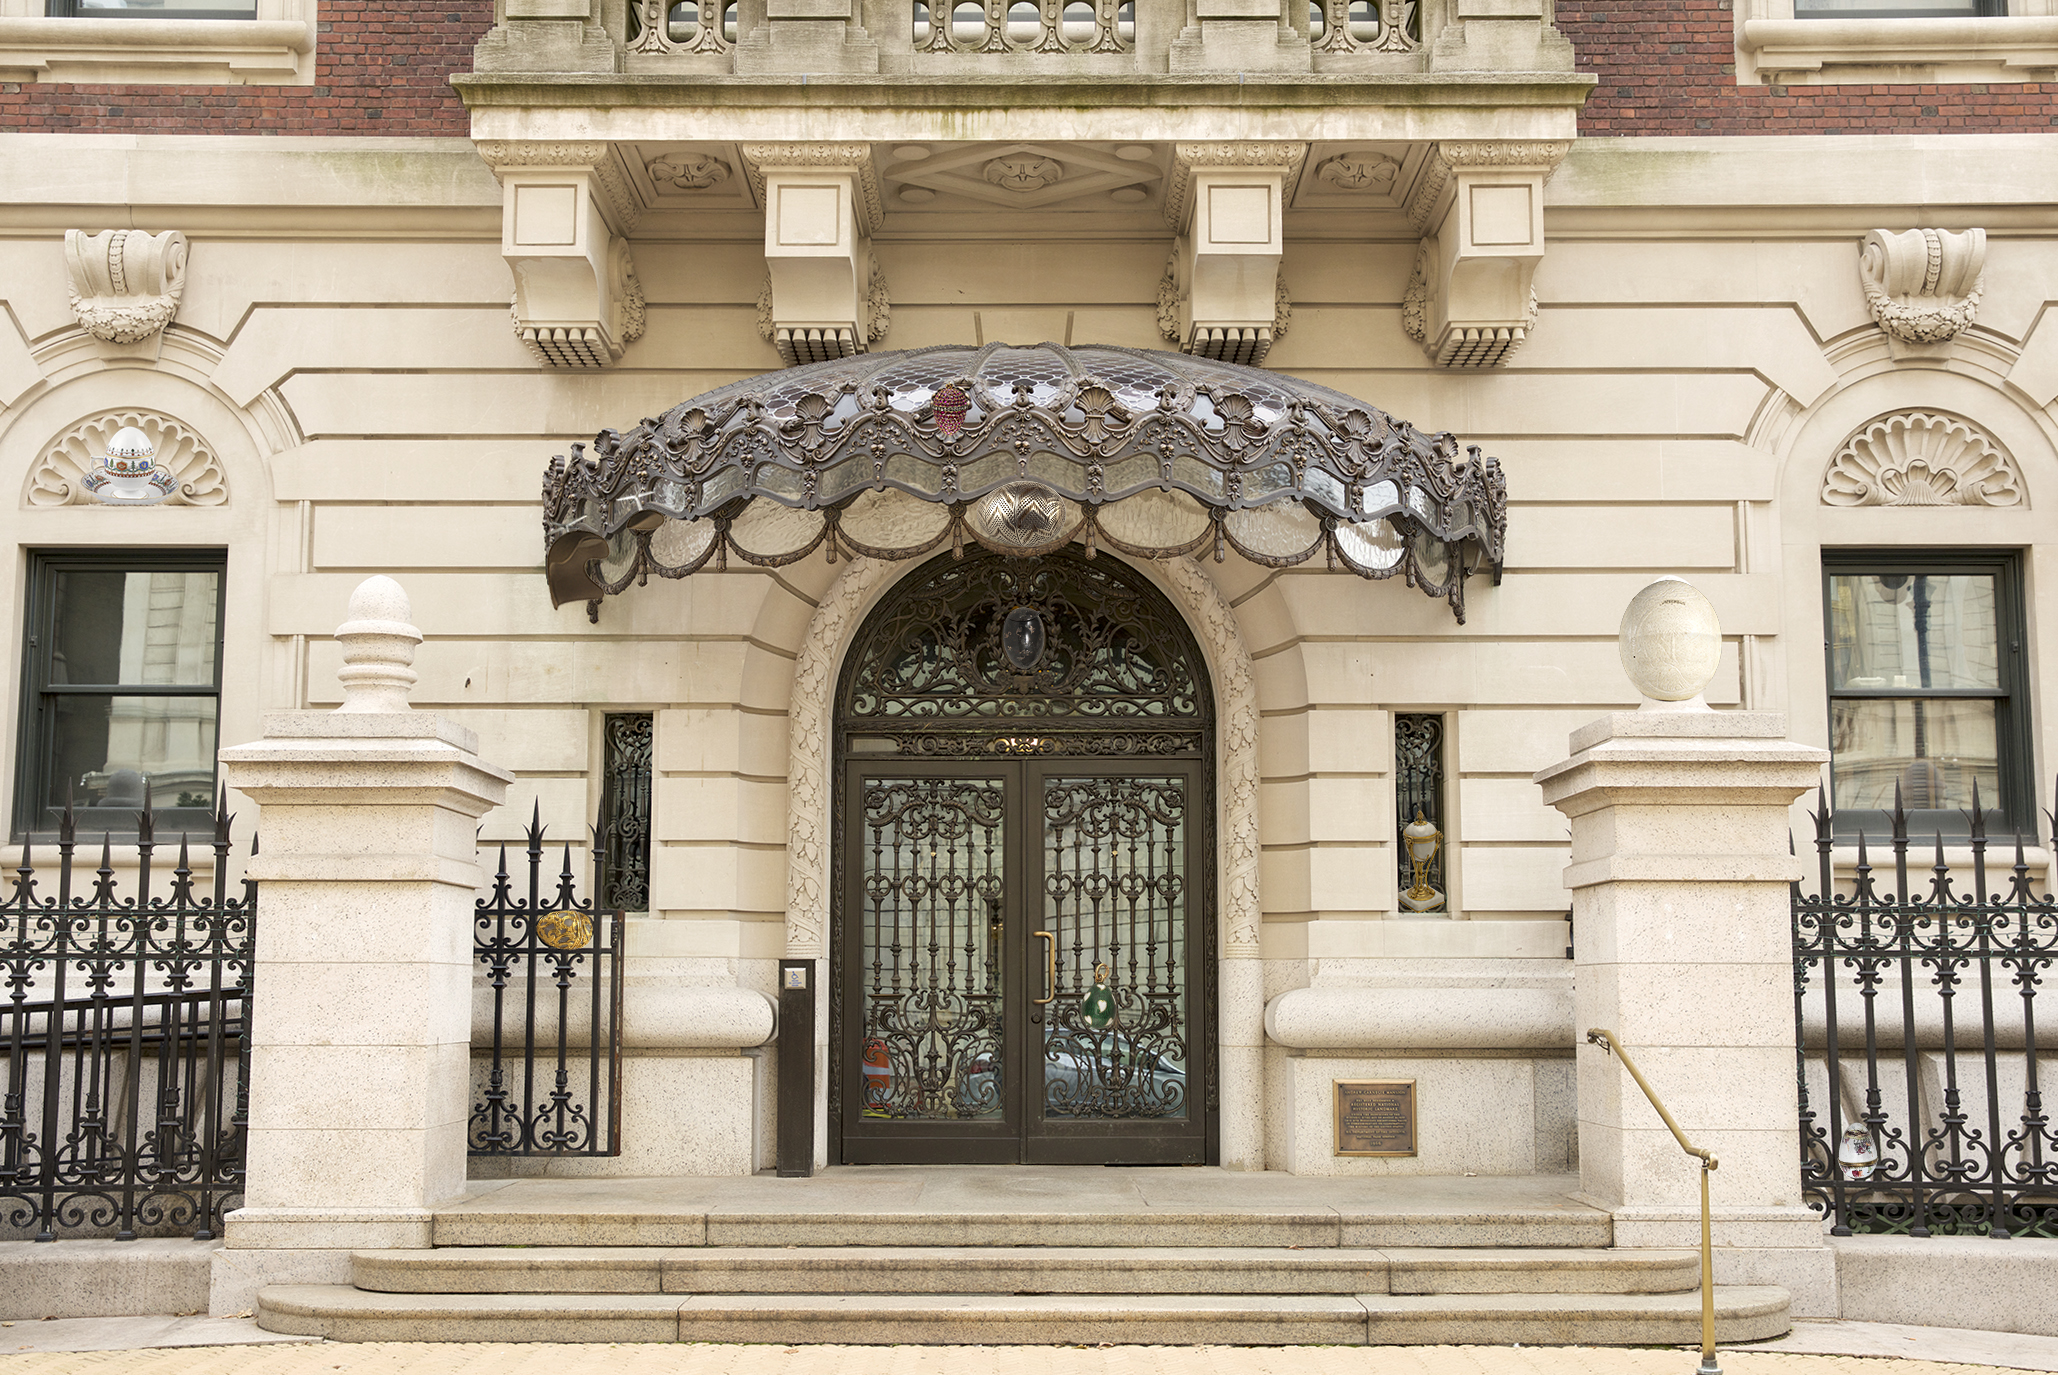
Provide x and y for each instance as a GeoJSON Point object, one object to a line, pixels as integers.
{"type": "Point", "coordinates": [380, 68]}
{"type": "Point", "coordinates": [1666, 67]}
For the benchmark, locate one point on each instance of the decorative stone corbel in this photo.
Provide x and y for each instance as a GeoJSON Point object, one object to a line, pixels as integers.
{"type": "Point", "coordinates": [1479, 207]}
{"type": "Point", "coordinates": [1222, 297]}
{"type": "Point", "coordinates": [824, 296]}
{"type": "Point", "coordinates": [125, 284]}
{"type": "Point", "coordinates": [566, 212]}
{"type": "Point", "coordinates": [1923, 285]}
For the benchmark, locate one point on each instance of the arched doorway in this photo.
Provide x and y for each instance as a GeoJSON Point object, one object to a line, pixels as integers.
{"type": "Point", "coordinates": [1022, 922]}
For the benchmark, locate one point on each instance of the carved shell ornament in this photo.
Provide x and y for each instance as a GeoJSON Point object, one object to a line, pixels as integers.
{"type": "Point", "coordinates": [1923, 286]}
{"type": "Point", "coordinates": [151, 451]}
{"type": "Point", "coordinates": [1920, 459]}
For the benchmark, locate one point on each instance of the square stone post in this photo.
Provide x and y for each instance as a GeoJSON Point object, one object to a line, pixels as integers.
{"type": "Point", "coordinates": [1682, 945]}
{"type": "Point", "coordinates": [360, 1036]}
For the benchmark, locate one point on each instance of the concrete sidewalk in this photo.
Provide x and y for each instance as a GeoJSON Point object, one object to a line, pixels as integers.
{"type": "Point", "coordinates": [230, 1346]}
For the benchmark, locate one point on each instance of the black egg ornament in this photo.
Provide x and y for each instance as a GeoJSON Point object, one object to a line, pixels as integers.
{"type": "Point", "coordinates": [1021, 637]}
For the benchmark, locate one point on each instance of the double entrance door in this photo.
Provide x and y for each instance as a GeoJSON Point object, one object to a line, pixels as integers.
{"type": "Point", "coordinates": [1021, 963]}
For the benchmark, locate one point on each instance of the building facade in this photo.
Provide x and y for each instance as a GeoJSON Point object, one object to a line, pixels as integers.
{"type": "Point", "coordinates": [1751, 295]}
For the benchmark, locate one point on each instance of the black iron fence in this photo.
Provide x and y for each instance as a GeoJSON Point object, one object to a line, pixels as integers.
{"type": "Point", "coordinates": [124, 1026]}
{"type": "Point", "coordinates": [547, 1061]}
{"type": "Point", "coordinates": [1915, 1007]}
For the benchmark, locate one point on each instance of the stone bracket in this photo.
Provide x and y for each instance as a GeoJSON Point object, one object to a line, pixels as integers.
{"type": "Point", "coordinates": [823, 296]}
{"type": "Point", "coordinates": [1479, 206]}
{"type": "Point", "coordinates": [125, 284]}
{"type": "Point", "coordinates": [1922, 286]}
{"type": "Point", "coordinates": [1222, 297]}
{"type": "Point", "coordinates": [566, 212]}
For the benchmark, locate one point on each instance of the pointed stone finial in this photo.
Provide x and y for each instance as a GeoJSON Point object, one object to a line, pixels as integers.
{"type": "Point", "coordinates": [378, 648]}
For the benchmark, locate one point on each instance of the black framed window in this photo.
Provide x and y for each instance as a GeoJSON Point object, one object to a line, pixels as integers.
{"type": "Point", "coordinates": [1900, 9]}
{"type": "Point", "coordinates": [150, 9]}
{"type": "Point", "coordinates": [121, 687]}
{"type": "Point", "coordinates": [1926, 689]}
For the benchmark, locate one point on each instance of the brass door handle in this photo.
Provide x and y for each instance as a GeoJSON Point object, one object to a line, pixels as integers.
{"type": "Point", "coordinates": [1050, 966]}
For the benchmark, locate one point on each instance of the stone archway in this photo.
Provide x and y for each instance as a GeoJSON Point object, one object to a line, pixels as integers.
{"type": "Point", "coordinates": [1240, 1034]}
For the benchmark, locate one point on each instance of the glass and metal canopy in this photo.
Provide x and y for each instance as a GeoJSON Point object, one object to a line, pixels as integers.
{"type": "Point", "coordinates": [1022, 450]}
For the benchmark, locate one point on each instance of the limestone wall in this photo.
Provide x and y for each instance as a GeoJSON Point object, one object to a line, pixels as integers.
{"type": "Point", "coordinates": [1703, 349]}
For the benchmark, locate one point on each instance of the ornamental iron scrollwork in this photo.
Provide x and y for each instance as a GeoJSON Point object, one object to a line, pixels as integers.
{"type": "Point", "coordinates": [1115, 899]}
{"type": "Point", "coordinates": [1114, 652]}
{"type": "Point", "coordinates": [1150, 454]}
{"type": "Point", "coordinates": [931, 961]}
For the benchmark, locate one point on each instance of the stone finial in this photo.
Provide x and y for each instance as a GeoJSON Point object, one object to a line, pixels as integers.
{"type": "Point", "coordinates": [1671, 645]}
{"type": "Point", "coordinates": [378, 648]}
{"type": "Point", "coordinates": [1923, 286]}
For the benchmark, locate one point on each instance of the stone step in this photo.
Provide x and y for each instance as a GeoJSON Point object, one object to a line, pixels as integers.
{"type": "Point", "coordinates": [481, 1223]}
{"type": "Point", "coordinates": [345, 1314]}
{"type": "Point", "coordinates": [1022, 1270]}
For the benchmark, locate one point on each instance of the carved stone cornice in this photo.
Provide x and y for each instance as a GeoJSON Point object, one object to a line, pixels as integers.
{"type": "Point", "coordinates": [572, 155]}
{"type": "Point", "coordinates": [1445, 158]}
{"type": "Point", "coordinates": [759, 156]}
{"type": "Point", "coordinates": [1188, 156]}
{"type": "Point", "coordinates": [1543, 155]}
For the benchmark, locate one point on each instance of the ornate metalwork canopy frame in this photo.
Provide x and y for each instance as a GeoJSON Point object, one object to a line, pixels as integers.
{"type": "Point", "coordinates": [1022, 450]}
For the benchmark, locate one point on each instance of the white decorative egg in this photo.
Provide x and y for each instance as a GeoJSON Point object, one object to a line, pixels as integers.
{"type": "Point", "coordinates": [1671, 641]}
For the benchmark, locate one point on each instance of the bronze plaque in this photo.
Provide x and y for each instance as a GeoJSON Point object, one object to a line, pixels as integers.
{"type": "Point", "coordinates": [1375, 1116]}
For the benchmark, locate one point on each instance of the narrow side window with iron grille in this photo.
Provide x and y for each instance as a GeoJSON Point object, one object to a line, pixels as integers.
{"type": "Point", "coordinates": [625, 811]}
{"type": "Point", "coordinates": [124, 1023]}
{"type": "Point", "coordinates": [1418, 811]}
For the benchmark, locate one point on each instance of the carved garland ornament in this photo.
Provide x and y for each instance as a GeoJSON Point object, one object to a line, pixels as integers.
{"type": "Point", "coordinates": [809, 715]}
{"type": "Point", "coordinates": [1919, 459]}
{"type": "Point", "coordinates": [58, 477]}
{"type": "Point", "coordinates": [1923, 286]}
{"type": "Point", "coordinates": [124, 284]}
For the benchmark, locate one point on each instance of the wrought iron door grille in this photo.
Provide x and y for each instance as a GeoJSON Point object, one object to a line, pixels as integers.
{"type": "Point", "coordinates": [1920, 1105]}
{"type": "Point", "coordinates": [933, 877]}
{"type": "Point", "coordinates": [125, 1028]}
{"type": "Point", "coordinates": [1114, 879]}
{"type": "Point", "coordinates": [549, 1081]}
{"type": "Point", "coordinates": [1024, 747]}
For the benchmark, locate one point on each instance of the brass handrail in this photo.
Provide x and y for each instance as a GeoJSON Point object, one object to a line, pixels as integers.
{"type": "Point", "coordinates": [1606, 1041]}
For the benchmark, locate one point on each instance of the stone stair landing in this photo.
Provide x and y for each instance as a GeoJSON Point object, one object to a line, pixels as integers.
{"type": "Point", "coordinates": [1001, 1255]}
